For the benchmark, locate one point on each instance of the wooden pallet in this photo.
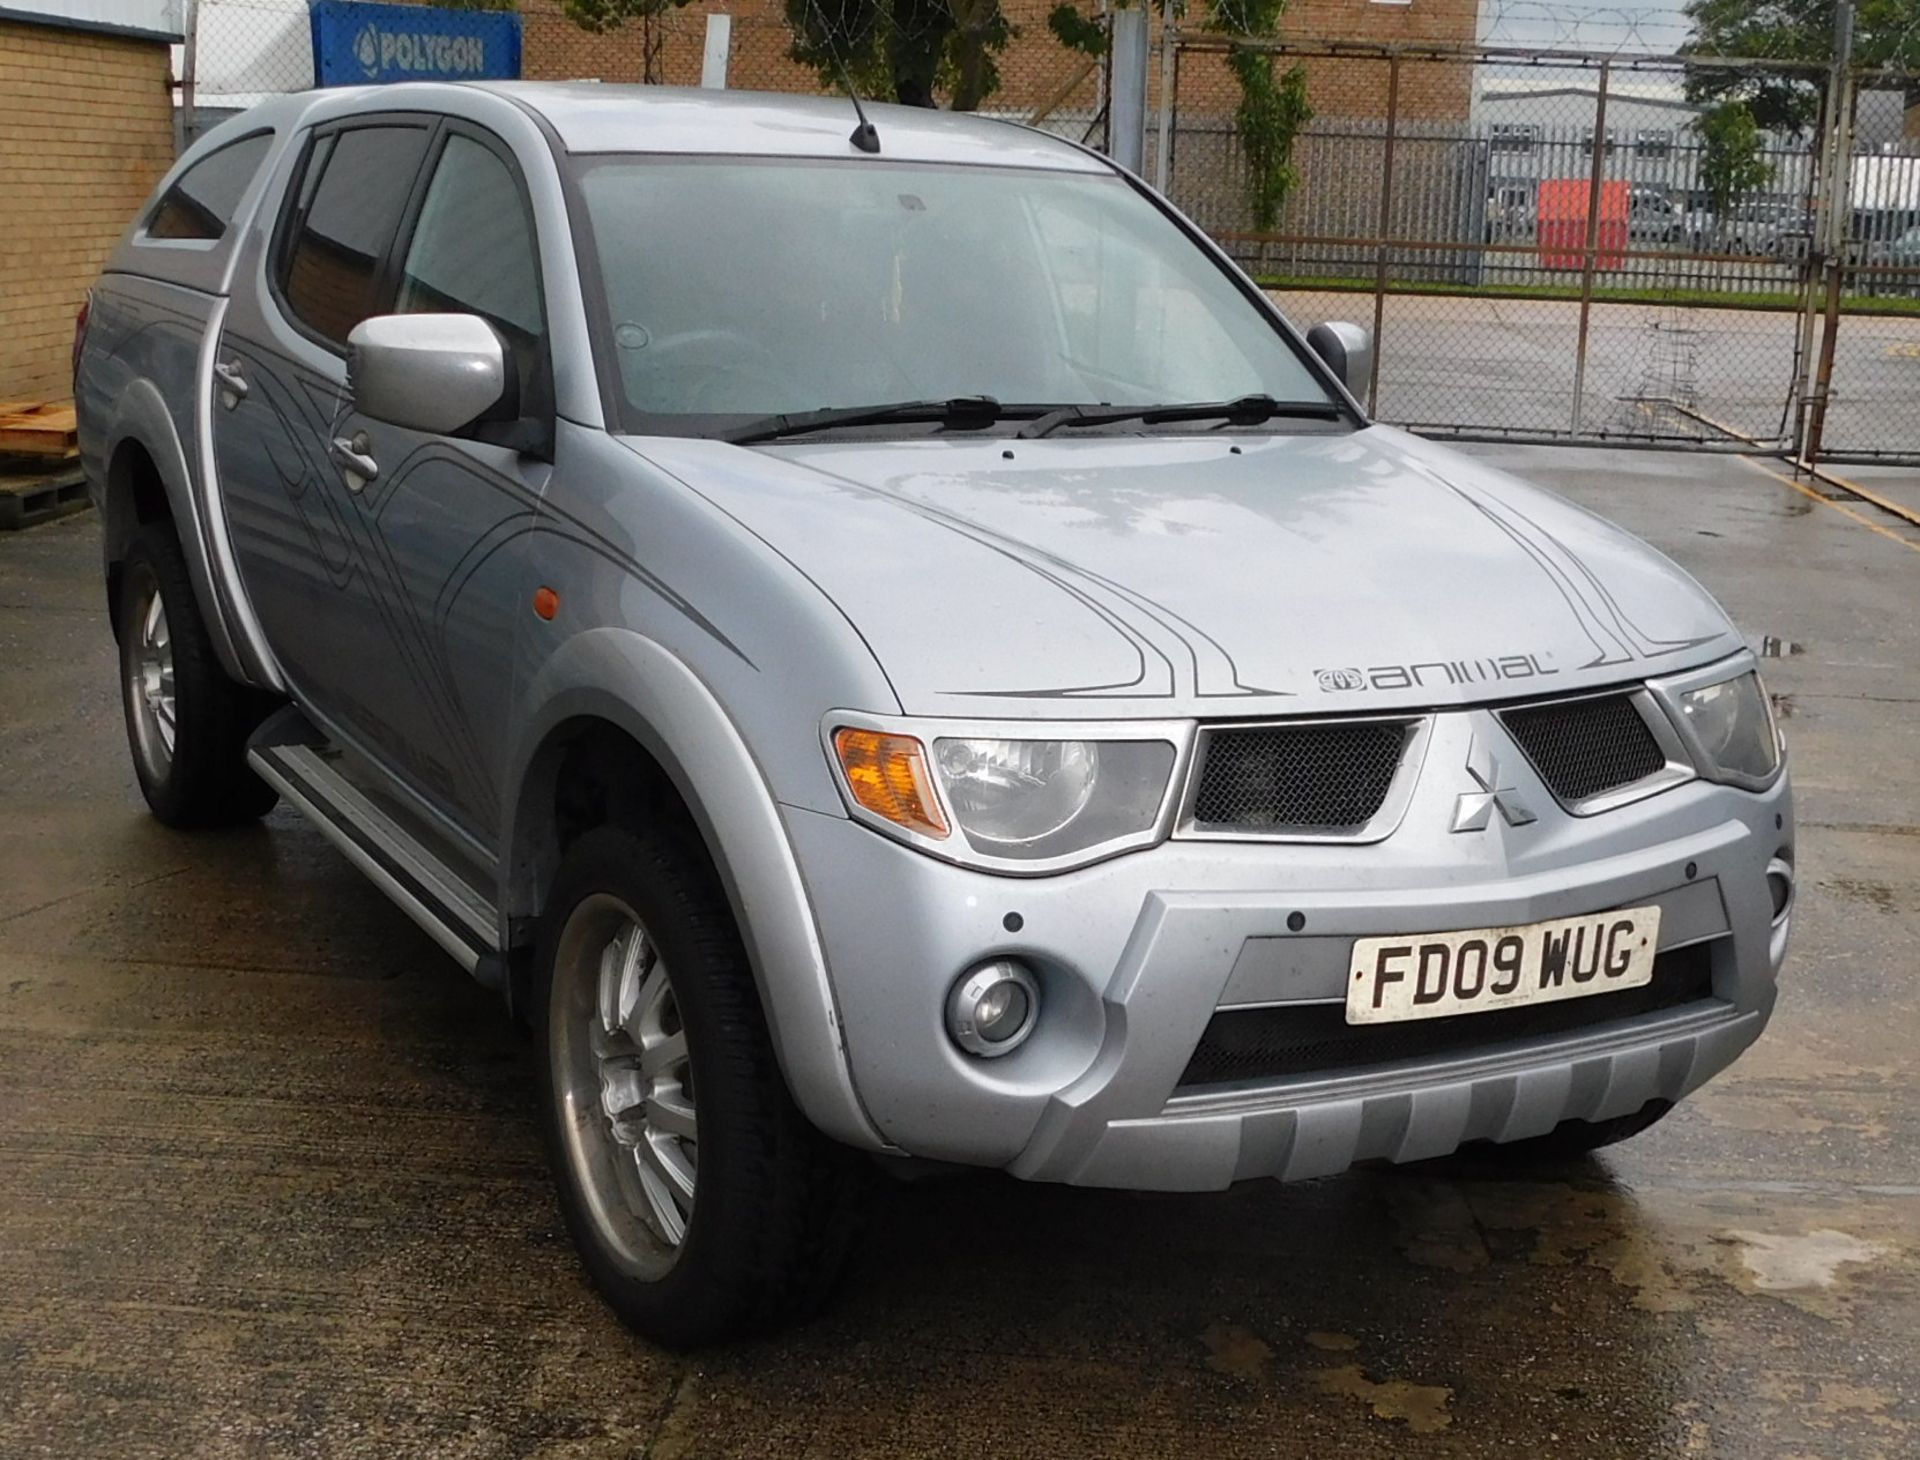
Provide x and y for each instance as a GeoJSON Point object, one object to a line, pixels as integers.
{"type": "Point", "coordinates": [38, 429]}
{"type": "Point", "coordinates": [27, 501]}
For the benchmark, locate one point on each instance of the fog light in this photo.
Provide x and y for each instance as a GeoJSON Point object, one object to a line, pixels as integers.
{"type": "Point", "coordinates": [993, 1009]}
{"type": "Point", "coordinates": [1780, 886]}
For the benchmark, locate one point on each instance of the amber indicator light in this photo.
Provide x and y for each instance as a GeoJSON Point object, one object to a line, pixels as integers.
{"type": "Point", "coordinates": [888, 776]}
{"type": "Point", "coordinates": [546, 602]}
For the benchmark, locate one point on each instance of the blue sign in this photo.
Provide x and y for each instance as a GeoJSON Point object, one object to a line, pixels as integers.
{"type": "Point", "coordinates": [356, 43]}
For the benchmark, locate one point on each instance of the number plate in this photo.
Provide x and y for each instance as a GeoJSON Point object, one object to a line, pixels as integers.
{"type": "Point", "coordinates": [1430, 975]}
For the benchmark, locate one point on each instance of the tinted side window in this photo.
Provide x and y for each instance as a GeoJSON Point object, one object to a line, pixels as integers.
{"type": "Point", "coordinates": [330, 276]}
{"type": "Point", "coordinates": [473, 251]}
{"type": "Point", "coordinates": [201, 203]}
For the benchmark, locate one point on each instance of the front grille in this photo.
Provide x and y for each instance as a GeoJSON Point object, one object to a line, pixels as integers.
{"type": "Point", "coordinates": [1315, 1039]}
{"type": "Point", "coordinates": [1318, 778]}
{"type": "Point", "coordinates": [1585, 748]}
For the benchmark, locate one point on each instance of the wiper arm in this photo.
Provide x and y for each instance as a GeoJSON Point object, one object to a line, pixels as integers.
{"type": "Point", "coordinates": [1248, 410]}
{"type": "Point", "coordinates": [960, 413]}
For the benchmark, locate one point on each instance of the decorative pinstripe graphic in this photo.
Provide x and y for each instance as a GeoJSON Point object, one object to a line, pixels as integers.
{"type": "Point", "coordinates": [1615, 636]}
{"type": "Point", "coordinates": [348, 538]}
{"type": "Point", "coordinates": [1164, 643]}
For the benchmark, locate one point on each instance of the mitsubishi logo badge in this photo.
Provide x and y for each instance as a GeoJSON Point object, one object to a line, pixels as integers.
{"type": "Point", "coordinates": [1474, 810]}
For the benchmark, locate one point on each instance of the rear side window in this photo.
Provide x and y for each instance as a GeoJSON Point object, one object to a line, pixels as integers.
{"type": "Point", "coordinates": [201, 202]}
{"type": "Point", "coordinates": [351, 199]}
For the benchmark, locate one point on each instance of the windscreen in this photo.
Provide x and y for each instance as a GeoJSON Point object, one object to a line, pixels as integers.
{"type": "Point", "coordinates": [738, 289]}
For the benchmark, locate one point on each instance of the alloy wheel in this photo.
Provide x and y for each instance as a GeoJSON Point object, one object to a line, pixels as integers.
{"type": "Point", "coordinates": [150, 681]}
{"type": "Point", "coordinates": [625, 1080]}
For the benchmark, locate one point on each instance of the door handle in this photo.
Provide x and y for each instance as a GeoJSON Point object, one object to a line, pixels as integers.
{"type": "Point", "coordinates": [350, 455]}
{"type": "Point", "coordinates": [233, 384]}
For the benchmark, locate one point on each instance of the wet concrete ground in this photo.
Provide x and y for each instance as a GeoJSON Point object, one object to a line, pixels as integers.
{"type": "Point", "coordinates": [269, 1185]}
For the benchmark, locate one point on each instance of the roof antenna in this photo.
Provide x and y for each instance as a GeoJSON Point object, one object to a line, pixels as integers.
{"type": "Point", "coordinates": [862, 136]}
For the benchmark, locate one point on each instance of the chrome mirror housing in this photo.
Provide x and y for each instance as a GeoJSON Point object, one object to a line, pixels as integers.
{"type": "Point", "coordinates": [1348, 350]}
{"type": "Point", "coordinates": [427, 372]}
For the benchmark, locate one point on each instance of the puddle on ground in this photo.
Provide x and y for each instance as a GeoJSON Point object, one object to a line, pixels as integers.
{"type": "Point", "coordinates": [1667, 1249]}
{"type": "Point", "coordinates": [1237, 1352]}
{"type": "Point", "coordinates": [1333, 1343]}
{"type": "Point", "coordinates": [1783, 1263]}
{"type": "Point", "coordinates": [1879, 895]}
{"type": "Point", "coordinates": [1421, 1407]}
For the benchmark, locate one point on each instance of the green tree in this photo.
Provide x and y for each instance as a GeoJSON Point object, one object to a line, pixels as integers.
{"type": "Point", "coordinates": [1730, 160]}
{"type": "Point", "coordinates": [1273, 103]}
{"type": "Point", "coordinates": [600, 16]}
{"type": "Point", "coordinates": [1885, 33]}
{"type": "Point", "coordinates": [904, 50]}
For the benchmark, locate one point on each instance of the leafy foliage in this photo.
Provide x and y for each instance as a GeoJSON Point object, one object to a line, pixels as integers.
{"type": "Point", "coordinates": [1273, 104]}
{"type": "Point", "coordinates": [1885, 33]}
{"type": "Point", "coordinates": [604, 15]}
{"type": "Point", "coordinates": [1077, 31]}
{"type": "Point", "coordinates": [1730, 161]}
{"type": "Point", "coordinates": [905, 50]}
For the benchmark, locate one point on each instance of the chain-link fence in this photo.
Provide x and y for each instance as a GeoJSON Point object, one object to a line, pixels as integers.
{"type": "Point", "coordinates": [1549, 243]}
{"type": "Point", "coordinates": [1537, 239]}
{"type": "Point", "coordinates": [1556, 245]}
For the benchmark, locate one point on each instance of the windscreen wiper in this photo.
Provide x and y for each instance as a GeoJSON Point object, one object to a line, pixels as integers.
{"type": "Point", "coordinates": [965, 412]}
{"type": "Point", "coordinates": [1247, 410]}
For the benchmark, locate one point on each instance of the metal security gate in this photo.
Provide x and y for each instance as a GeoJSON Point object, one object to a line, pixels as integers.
{"type": "Point", "coordinates": [1538, 242]}
{"type": "Point", "coordinates": [1527, 234]}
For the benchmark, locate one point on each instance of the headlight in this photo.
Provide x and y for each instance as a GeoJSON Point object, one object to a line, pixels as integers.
{"type": "Point", "coordinates": [1013, 793]}
{"type": "Point", "coordinates": [1040, 803]}
{"type": "Point", "coordinates": [1729, 725]}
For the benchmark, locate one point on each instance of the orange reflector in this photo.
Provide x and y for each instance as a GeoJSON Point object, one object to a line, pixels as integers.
{"type": "Point", "coordinates": [546, 602]}
{"type": "Point", "coordinates": [888, 776]}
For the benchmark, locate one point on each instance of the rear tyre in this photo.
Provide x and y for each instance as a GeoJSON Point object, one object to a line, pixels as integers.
{"type": "Point", "coordinates": [703, 1205]}
{"type": "Point", "coordinates": [187, 722]}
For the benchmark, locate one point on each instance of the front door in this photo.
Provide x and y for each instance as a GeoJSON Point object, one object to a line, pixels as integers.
{"type": "Point", "coordinates": [385, 591]}
{"type": "Point", "coordinates": [444, 527]}
{"type": "Point", "coordinates": [280, 378]}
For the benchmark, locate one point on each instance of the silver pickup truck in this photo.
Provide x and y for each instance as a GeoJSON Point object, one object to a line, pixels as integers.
{"type": "Point", "coordinates": [880, 641]}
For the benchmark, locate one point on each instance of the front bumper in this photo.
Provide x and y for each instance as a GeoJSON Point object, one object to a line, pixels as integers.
{"type": "Point", "coordinates": [1136, 955]}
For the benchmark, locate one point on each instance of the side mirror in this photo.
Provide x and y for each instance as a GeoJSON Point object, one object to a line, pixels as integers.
{"type": "Point", "coordinates": [429, 372]}
{"type": "Point", "coordinates": [1348, 351]}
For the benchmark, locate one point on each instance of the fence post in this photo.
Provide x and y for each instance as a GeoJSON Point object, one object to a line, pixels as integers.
{"type": "Point", "coordinates": [1593, 242]}
{"type": "Point", "coordinates": [1836, 220]}
{"type": "Point", "coordinates": [1129, 114]}
{"type": "Point", "coordinates": [713, 60]}
{"type": "Point", "coordinates": [1384, 231]}
{"type": "Point", "coordinates": [189, 64]}
{"type": "Point", "coordinates": [1169, 60]}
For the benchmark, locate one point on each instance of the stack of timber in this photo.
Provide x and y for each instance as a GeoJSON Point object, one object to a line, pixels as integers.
{"type": "Point", "coordinates": [40, 476]}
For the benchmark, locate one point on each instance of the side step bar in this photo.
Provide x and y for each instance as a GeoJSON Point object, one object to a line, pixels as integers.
{"type": "Point", "coordinates": [452, 912]}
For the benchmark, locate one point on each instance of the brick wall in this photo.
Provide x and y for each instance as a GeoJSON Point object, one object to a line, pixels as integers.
{"type": "Point", "coordinates": [86, 129]}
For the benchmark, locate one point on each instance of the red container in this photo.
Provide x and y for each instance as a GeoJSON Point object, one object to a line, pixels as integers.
{"type": "Point", "coordinates": [1562, 233]}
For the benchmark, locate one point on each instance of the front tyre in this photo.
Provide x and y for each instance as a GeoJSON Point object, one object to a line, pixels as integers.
{"type": "Point", "coordinates": [703, 1204]}
{"type": "Point", "coordinates": [187, 722]}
